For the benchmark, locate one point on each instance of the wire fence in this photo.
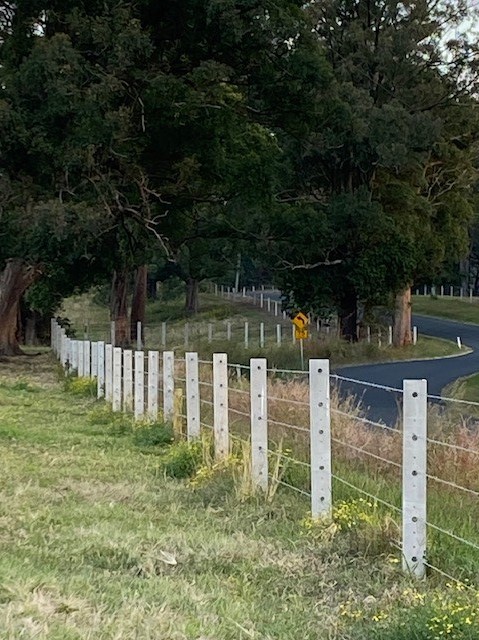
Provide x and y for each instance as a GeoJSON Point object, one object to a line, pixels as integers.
{"type": "Point", "coordinates": [420, 470]}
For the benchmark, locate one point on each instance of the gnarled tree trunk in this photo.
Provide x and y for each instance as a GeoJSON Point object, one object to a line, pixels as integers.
{"type": "Point", "coordinates": [138, 303]}
{"type": "Point", "coordinates": [14, 281]}
{"type": "Point", "coordinates": [119, 307]}
{"type": "Point", "coordinates": [348, 318]}
{"type": "Point", "coordinates": [192, 303]}
{"type": "Point", "coordinates": [402, 331]}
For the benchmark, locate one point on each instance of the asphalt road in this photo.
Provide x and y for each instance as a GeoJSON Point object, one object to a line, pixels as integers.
{"type": "Point", "coordinates": [383, 405]}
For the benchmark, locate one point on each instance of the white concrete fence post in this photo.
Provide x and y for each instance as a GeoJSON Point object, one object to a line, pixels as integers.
{"type": "Point", "coordinates": [220, 405]}
{"type": "Point", "coordinates": [261, 335]}
{"type": "Point", "coordinates": [112, 333]}
{"type": "Point", "coordinates": [168, 385]}
{"type": "Point", "coordinates": [414, 335]}
{"type": "Point", "coordinates": [86, 358]}
{"type": "Point", "coordinates": [94, 360]}
{"type": "Point", "coordinates": [278, 334]}
{"type": "Point", "coordinates": [192, 397]}
{"type": "Point", "coordinates": [139, 336]}
{"type": "Point", "coordinates": [101, 370]}
{"type": "Point", "coordinates": [259, 423]}
{"type": "Point", "coordinates": [108, 372]}
{"type": "Point", "coordinates": [139, 384]}
{"type": "Point", "coordinates": [414, 494]}
{"type": "Point", "coordinates": [246, 335]}
{"type": "Point", "coordinates": [117, 376]}
{"type": "Point", "coordinates": [128, 381]}
{"type": "Point", "coordinates": [228, 330]}
{"type": "Point", "coordinates": [81, 358]}
{"type": "Point", "coordinates": [320, 438]}
{"type": "Point", "coordinates": [153, 379]}
{"type": "Point", "coordinates": [390, 335]}
{"type": "Point", "coordinates": [210, 332]}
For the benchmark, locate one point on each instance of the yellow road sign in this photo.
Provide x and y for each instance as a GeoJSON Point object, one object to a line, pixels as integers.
{"type": "Point", "coordinates": [300, 320]}
{"type": "Point", "coordinates": [300, 334]}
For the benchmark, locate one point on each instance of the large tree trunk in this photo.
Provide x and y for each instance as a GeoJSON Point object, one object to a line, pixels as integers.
{"type": "Point", "coordinates": [402, 332]}
{"type": "Point", "coordinates": [14, 281]}
{"type": "Point", "coordinates": [119, 307]}
{"type": "Point", "coordinates": [138, 303]}
{"type": "Point", "coordinates": [192, 304]}
{"type": "Point", "coordinates": [348, 318]}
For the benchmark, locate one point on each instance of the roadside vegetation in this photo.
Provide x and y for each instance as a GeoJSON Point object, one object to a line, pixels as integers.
{"type": "Point", "coordinates": [112, 530]}
{"type": "Point", "coordinates": [89, 316]}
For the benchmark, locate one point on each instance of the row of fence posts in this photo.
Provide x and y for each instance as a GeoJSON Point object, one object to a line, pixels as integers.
{"type": "Point", "coordinates": [448, 291]}
{"type": "Point", "coordinates": [121, 381]}
{"type": "Point", "coordinates": [272, 306]}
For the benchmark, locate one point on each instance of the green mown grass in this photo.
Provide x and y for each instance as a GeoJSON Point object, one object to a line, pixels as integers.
{"type": "Point", "coordinates": [97, 543]}
{"type": "Point", "coordinates": [451, 308]}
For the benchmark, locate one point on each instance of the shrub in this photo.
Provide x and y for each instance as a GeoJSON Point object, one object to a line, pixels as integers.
{"type": "Point", "coordinates": [182, 459]}
{"type": "Point", "coordinates": [152, 434]}
{"type": "Point", "coordinates": [86, 387]}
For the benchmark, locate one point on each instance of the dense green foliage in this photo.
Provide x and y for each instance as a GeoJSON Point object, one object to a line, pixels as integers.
{"type": "Point", "coordinates": [333, 143]}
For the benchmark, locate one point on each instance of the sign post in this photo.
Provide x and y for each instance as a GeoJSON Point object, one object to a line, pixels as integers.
{"type": "Point", "coordinates": [301, 322]}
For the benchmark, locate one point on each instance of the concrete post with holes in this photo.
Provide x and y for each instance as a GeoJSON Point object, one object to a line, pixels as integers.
{"type": "Point", "coordinates": [108, 372]}
{"type": "Point", "coordinates": [139, 384]}
{"type": "Point", "coordinates": [259, 423]}
{"type": "Point", "coordinates": [128, 381]}
{"type": "Point", "coordinates": [117, 375]}
{"type": "Point", "coordinates": [414, 480]}
{"type": "Point", "coordinates": [168, 385]}
{"type": "Point", "coordinates": [320, 438]}
{"type": "Point", "coordinates": [192, 397]}
{"type": "Point", "coordinates": [220, 405]}
{"type": "Point", "coordinates": [153, 379]}
{"type": "Point", "coordinates": [101, 369]}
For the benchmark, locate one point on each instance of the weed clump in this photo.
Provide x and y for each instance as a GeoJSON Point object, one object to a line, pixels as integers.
{"type": "Point", "coordinates": [152, 434]}
{"type": "Point", "coordinates": [85, 387]}
{"type": "Point", "coordinates": [182, 459]}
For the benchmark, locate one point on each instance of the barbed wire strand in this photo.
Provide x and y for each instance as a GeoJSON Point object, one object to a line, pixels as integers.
{"type": "Point", "coordinates": [449, 483]}
{"type": "Point", "coordinates": [368, 453]}
{"type": "Point", "coordinates": [369, 495]}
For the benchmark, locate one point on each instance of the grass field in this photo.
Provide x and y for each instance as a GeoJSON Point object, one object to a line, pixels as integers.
{"type": "Point", "coordinates": [451, 308]}
{"type": "Point", "coordinates": [97, 543]}
{"type": "Point", "coordinates": [217, 312]}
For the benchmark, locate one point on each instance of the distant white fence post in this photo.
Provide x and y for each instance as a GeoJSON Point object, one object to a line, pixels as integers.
{"type": "Point", "coordinates": [261, 300]}
{"type": "Point", "coordinates": [117, 375]}
{"type": "Point", "coordinates": [259, 423]}
{"type": "Point", "coordinates": [163, 335]}
{"type": "Point", "coordinates": [246, 335]}
{"type": "Point", "coordinates": [414, 335]}
{"type": "Point", "coordinates": [192, 397]}
{"type": "Point", "coordinates": [101, 370]}
{"type": "Point", "coordinates": [153, 375]}
{"type": "Point", "coordinates": [112, 333]}
{"type": "Point", "coordinates": [139, 384]}
{"type": "Point", "coordinates": [210, 332]}
{"type": "Point", "coordinates": [220, 405]}
{"type": "Point", "coordinates": [390, 335]}
{"type": "Point", "coordinates": [228, 330]}
{"type": "Point", "coordinates": [139, 336]}
{"type": "Point", "coordinates": [261, 335]}
{"type": "Point", "coordinates": [275, 308]}
{"type": "Point", "coordinates": [320, 438]}
{"type": "Point", "coordinates": [268, 304]}
{"type": "Point", "coordinates": [168, 385]}
{"type": "Point", "coordinates": [414, 477]}
{"type": "Point", "coordinates": [128, 381]}
{"type": "Point", "coordinates": [278, 334]}
{"type": "Point", "coordinates": [108, 372]}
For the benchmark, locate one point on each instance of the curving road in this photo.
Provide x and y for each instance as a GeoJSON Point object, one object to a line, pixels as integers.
{"type": "Point", "coordinates": [383, 405]}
